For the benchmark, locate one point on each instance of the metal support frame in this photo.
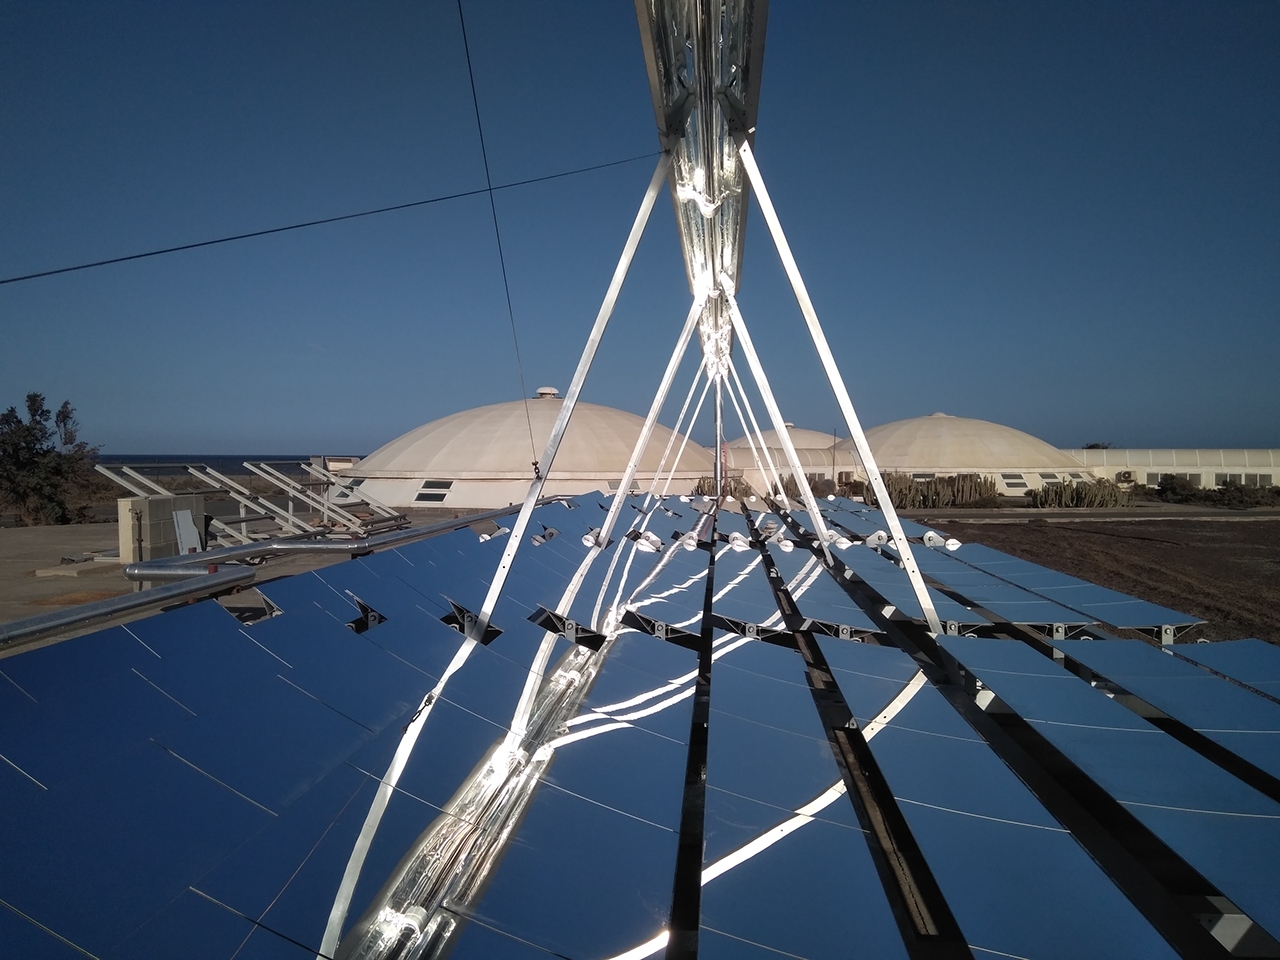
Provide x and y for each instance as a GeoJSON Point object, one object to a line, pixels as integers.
{"type": "Point", "coordinates": [759, 435]}
{"type": "Point", "coordinates": [354, 497]}
{"type": "Point", "coordinates": [677, 431]}
{"type": "Point", "coordinates": [244, 496]}
{"type": "Point", "coordinates": [332, 514]}
{"type": "Point", "coordinates": [659, 398]}
{"type": "Point", "coordinates": [775, 414]}
{"type": "Point", "coordinates": [516, 536]}
{"type": "Point", "coordinates": [718, 470]}
{"type": "Point", "coordinates": [837, 383]}
{"type": "Point", "coordinates": [149, 488]}
{"type": "Point", "coordinates": [684, 436]}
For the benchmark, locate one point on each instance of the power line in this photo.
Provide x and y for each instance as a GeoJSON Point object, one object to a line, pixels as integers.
{"type": "Point", "coordinates": [502, 261]}
{"type": "Point", "coordinates": [316, 223]}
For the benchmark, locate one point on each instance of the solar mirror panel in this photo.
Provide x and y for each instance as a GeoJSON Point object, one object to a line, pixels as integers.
{"type": "Point", "coordinates": [891, 582]}
{"type": "Point", "coordinates": [1254, 663]}
{"type": "Point", "coordinates": [1011, 602]}
{"type": "Point", "coordinates": [1098, 603]}
{"type": "Point", "coordinates": [1235, 718]}
{"type": "Point", "coordinates": [611, 798]}
{"type": "Point", "coordinates": [1222, 828]}
{"type": "Point", "coordinates": [1012, 875]}
{"type": "Point", "coordinates": [777, 817]}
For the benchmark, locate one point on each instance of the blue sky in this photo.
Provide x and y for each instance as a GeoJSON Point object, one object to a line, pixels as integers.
{"type": "Point", "coordinates": [1060, 216]}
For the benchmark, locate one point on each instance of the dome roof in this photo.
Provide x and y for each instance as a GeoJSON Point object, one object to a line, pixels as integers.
{"type": "Point", "coordinates": [492, 442]}
{"type": "Point", "coordinates": [803, 439]}
{"type": "Point", "coordinates": [940, 443]}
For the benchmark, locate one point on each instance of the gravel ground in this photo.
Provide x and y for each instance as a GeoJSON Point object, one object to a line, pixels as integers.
{"type": "Point", "coordinates": [1226, 571]}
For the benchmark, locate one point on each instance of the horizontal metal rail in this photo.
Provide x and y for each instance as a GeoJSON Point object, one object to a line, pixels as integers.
{"type": "Point", "coordinates": [197, 574]}
{"type": "Point", "coordinates": [87, 614]}
{"type": "Point", "coordinates": [187, 566]}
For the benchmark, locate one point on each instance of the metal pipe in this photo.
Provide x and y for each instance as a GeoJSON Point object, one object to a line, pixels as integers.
{"type": "Point", "coordinates": [32, 628]}
{"type": "Point", "coordinates": [187, 566]}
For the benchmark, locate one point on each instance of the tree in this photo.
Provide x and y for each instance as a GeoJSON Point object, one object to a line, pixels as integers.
{"type": "Point", "coordinates": [1097, 446]}
{"type": "Point", "coordinates": [40, 463]}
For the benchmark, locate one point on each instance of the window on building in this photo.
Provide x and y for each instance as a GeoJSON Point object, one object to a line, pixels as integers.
{"type": "Point", "coordinates": [1153, 479]}
{"type": "Point", "coordinates": [433, 491]}
{"type": "Point", "coordinates": [1219, 479]}
{"type": "Point", "coordinates": [923, 476]}
{"type": "Point", "coordinates": [1011, 476]}
{"type": "Point", "coordinates": [1049, 476]}
{"type": "Point", "coordinates": [1077, 476]}
{"type": "Point", "coordinates": [1264, 479]}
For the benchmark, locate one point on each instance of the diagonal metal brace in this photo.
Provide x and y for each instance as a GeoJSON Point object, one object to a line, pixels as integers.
{"type": "Point", "coordinates": [466, 622]}
{"type": "Point", "coordinates": [571, 630]}
{"type": "Point", "coordinates": [754, 631]}
{"type": "Point", "coordinates": [663, 631]}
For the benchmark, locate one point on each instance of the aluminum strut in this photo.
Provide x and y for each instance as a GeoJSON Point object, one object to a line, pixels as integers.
{"type": "Point", "coordinates": [775, 414]}
{"type": "Point", "coordinates": [571, 396]}
{"type": "Point", "coordinates": [759, 435]}
{"type": "Point", "coordinates": [746, 431]}
{"type": "Point", "coordinates": [837, 383]}
{"type": "Point", "coordinates": [659, 398]}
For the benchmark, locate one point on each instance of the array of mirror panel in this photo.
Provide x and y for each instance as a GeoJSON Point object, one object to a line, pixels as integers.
{"type": "Point", "coordinates": [354, 767]}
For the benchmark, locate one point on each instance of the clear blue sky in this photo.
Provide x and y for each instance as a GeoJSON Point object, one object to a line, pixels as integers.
{"type": "Point", "coordinates": [1060, 216]}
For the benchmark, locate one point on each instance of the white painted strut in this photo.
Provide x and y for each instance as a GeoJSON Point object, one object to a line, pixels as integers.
{"type": "Point", "coordinates": [837, 384]}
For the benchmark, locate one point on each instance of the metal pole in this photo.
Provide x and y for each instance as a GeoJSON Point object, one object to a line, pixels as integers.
{"type": "Point", "coordinates": [571, 396]}
{"type": "Point", "coordinates": [837, 384]}
{"type": "Point", "coordinates": [775, 414]}
{"type": "Point", "coordinates": [666, 452]}
{"type": "Point", "coordinates": [684, 439]}
{"type": "Point", "coordinates": [718, 474]}
{"type": "Point", "coordinates": [659, 398]}
{"type": "Point", "coordinates": [751, 443]}
{"type": "Point", "coordinates": [759, 434]}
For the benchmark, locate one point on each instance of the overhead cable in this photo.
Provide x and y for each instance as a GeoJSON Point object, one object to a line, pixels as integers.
{"type": "Point", "coordinates": [502, 261]}
{"type": "Point", "coordinates": [321, 222]}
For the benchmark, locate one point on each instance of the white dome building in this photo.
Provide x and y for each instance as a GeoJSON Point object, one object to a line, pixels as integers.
{"type": "Point", "coordinates": [821, 457]}
{"type": "Point", "coordinates": [942, 445]}
{"type": "Point", "coordinates": [480, 459]}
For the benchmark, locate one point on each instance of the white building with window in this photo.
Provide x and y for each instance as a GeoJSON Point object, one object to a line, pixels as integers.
{"type": "Point", "coordinates": [940, 445]}
{"type": "Point", "coordinates": [482, 458]}
{"type": "Point", "coordinates": [1202, 467]}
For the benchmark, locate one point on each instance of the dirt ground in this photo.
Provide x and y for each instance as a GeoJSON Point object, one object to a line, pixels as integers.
{"type": "Point", "coordinates": [1225, 571]}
